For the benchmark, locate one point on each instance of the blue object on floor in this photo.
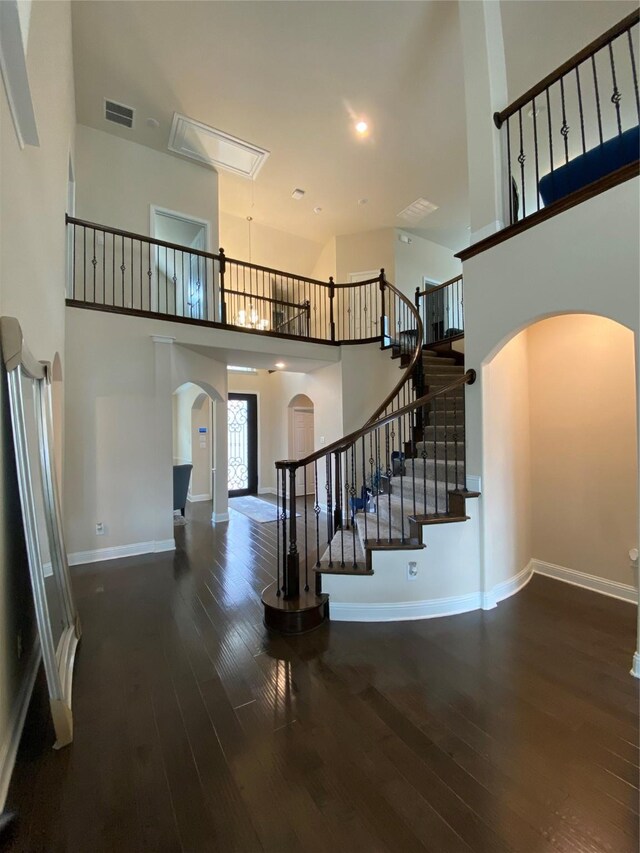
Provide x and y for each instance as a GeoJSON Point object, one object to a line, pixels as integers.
{"type": "Point", "coordinates": [590, 166]}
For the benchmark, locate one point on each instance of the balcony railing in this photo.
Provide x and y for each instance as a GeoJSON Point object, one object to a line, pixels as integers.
{"type": "Point", "coordinates": [576, 127]}
{"type": "Point", "coordinates": [123, 272]}
{"type": "Point", "coordinates": [441, 310]}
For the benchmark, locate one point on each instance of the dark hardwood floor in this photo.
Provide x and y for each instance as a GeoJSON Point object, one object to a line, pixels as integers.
{"type": "Point", "coordinates": [514, 729]}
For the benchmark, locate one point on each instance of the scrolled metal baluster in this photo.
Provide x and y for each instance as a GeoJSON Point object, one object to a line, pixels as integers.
{"type": "Point", "coordinates": [521, 160]}
{"type": "Point", "coordinates": [597, 94]}
{"type": "Point", "coordinates": [564, 130]}
{"type": "Point", "coordinates": [535, 150]}
{"type": "Point", "coordinates": [616, 96]}
{"type": "Point", "coordinates": [316, 511]}
{"type": "Point", "coordinates": [353, 493]}
{"type": "Point", "coordinates": [306, 544]}
{"type": "Point", "coordinates": [278, 526]}
{"type": "Point", "coordinates": [329, 509]}
{"type": "Point", "coordinates": [634, 71]}
{"type": "Point", "coordinates": [446, 451]}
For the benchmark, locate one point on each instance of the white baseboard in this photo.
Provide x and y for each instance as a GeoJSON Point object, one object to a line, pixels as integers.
{"type": "Point", "coordinates": [9, 745]}
{"type": "Point", "coordinates": [507, 588]}
{"type": "Point", "coordinates": [623, 591]}
{"type": "Point", "coordinates": [474, 483]}
{"type": "Point", "coordinates": [116, 552]}
{"type": "Point", "coordinates": [198, 498]}
{"type": "Point", "coordinates": [267, 490]}
{"type": "Point", "coordinates": [406, 610]}
{"type": "Point", "coordinates": [218, 517]}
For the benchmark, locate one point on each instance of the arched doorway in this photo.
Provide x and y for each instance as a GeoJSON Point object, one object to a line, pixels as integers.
{"type": "Point", "coordinates": [198, 441]}
{"type": "Point", "coordinates": [302, 438]}
{"type": "Point", "coordinates": [560, 466]}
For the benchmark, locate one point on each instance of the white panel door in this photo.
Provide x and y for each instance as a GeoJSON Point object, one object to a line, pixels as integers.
{"type": "Point", "coordinates": [303, 445]}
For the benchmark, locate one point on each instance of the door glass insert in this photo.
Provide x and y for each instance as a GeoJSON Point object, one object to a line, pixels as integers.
{"type": "Point", "coordinates": [238, 445]}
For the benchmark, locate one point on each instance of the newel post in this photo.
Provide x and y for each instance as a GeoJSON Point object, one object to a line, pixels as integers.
{"type": "Point", "coordinates": [383, 317]}
{"type": "Point", "coordinates": [291, 562]}
{"type": "Point", "coordinates": [332, 325]}
{"type": "Point", "coordinates": [223, 304]}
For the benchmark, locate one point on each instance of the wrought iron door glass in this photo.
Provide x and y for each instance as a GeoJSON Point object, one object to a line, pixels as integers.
{"type": "Point", "coordinates": [241, 430]}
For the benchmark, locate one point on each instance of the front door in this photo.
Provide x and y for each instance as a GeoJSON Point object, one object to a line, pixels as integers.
{"type": "Point", "coordinates": [242, 428]}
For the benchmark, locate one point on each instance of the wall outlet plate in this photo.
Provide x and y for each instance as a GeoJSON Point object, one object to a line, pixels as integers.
{"type": "Point", "coordinates": [412, 571]}
{"type": "Point", "coordinates": [99, 528]}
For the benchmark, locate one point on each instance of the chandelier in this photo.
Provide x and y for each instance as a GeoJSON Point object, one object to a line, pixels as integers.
{"type": "Point", "coordinates": [251, 319]}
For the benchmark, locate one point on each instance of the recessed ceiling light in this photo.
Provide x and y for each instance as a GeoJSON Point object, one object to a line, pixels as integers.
{"type": "Point", "coordinates": [317, 210]}
{"type": "Point", "coordinates": [362, 127]}
{"type": "Point", "coordinates": [362, 201]}
{"type": "Point", "coordinates": [297, 194]}
{"type": "Point", "coordinates": [280, 364]}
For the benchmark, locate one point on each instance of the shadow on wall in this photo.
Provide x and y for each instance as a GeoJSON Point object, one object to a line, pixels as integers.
{"type": "Point", "coordinates": [560, 449]}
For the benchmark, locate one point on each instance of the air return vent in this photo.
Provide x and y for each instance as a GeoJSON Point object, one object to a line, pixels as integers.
{"type": "Point", "coordinates": [118, 113]}
{"type": "Point", "coordinates": [417, 210]}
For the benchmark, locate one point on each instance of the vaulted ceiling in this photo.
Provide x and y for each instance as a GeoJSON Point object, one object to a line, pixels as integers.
{"type": "Point", "coordinates": [290, 77]}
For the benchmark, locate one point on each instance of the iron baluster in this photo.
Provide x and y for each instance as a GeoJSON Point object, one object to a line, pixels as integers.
{"type": "Point", "coordinates": [616, 97]}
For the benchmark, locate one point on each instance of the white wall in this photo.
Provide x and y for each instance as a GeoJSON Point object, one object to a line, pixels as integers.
{"type": "Point", "coordinates": [118, 180]}
{"type": "Point", "coordinates": [119, 416]}
{"type": "Point", "coordinates": [367, 250]}
{"type": "Point", "coordinates": [583, 445]}
{"type": "Point", "coordinates": [32, 279]}
{"type": "Point", "coordinates": [422, 258]}
{"type": "Point", "coordinates": [268, 246]}
{"type": "Point", "coordinates": [584, 260]}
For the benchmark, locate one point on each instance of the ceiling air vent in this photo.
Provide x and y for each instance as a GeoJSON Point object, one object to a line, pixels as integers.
{"type": "Point", "coordinates": [417, 210]}
{"type": "Point", "coordinates": [118, 113]}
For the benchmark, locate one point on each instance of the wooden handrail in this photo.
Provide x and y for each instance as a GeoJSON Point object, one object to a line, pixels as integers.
{"type": "Point", "coordinates": [131, 235]}
{"type": "Point", "coordinates": [439, 286]}
{"type": "Point", "coordinates": [414, 358]}
{"type": "Point", "coordinates": [346, 441]}
{"type": "Point", "coordinates": [586, 52]}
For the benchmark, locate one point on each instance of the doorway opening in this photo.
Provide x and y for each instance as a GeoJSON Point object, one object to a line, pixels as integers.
{"type": "Point", "coordinates": [242, 442]}
{"type": "Point", "coordinates": [182, 279]}
{"type": "Point", "coordinates": [302, 440]}
{"type": "Point", "coordinates": [193, 446]}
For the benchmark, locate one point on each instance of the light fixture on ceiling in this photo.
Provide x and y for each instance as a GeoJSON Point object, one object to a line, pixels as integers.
{"type": "Point", "coordinates": [362, 202]}
{"type": "Point", "coordinates": [361, 127]}
{"type": "Point", "coordinates": [404, 238]}
{"type": "Point", "coordinates": [280, 364]}
{"type": "Point", "coordinates": [317, 210]}
{"type": "Point", "coordinates": [297, 194]}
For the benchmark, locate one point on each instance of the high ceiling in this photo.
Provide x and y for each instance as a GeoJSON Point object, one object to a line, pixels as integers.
{"type": "Point", "coordinates": [291, 76]}
{"type": "Point", "coordinates": [288, 76]}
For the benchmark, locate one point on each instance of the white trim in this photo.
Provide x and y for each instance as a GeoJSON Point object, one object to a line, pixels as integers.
{"type": "Point", "coordinates": [505, 589]}
{"type": "Point", "coordinates": [116, 552]}
{"type": "Point", "coordinates": [614, 589]}
{"type": "Point", "coordinates": [267, 490]}
{"type": "Point", "coordinates": [196, 498]}
{"type": "Point", "coordinates": [185, 217]}
{"type": "Point", "coordinates": [635, 669]}
{"type": "Point", "coordinates": [162, 339]}
{"type": "Point", "coordinates": [474, 483]}
{"type": "Point", "coordinates": [486, 231]}
{"type": "Point", "coordinates": [9, 746]}
{"type": "Point", "coordinates": [218, 517]}
{"type": "Point", "coordinates": [13, 65]}
{"type": "Point", "coordinates": [401, 611]}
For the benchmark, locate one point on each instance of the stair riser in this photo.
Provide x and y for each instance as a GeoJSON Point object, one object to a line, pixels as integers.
{"type": "Point", "coordinates": [444, 369]}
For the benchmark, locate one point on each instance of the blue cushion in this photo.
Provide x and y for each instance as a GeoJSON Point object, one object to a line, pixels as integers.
{"type": "Point", "coordinates": [589, 167]}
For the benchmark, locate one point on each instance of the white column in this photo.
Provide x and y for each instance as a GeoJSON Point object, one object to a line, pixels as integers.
{"type": "Point", "coordinates": [163, 441]}
{"type": "Point", "coordinates": [220, 463]}
{"type": "Point", "coordinates": [485, 84]}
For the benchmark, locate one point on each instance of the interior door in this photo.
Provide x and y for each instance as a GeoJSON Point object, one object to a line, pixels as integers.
{"type": "Point", "coordinates": [242, 429]}
{"type": "Point", "coordinates": [303, 445]}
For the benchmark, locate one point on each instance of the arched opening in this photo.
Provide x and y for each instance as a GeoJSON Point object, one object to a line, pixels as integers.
{"type": "Point", "coordinates": [560, 465]}
{"type": "Point", "coordinates": [198, 444]}
{"type": "Point", "coordinates": [302, 439]}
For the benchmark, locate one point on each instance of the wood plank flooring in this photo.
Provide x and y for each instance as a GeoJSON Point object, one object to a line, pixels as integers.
{"type": "Point", "coordinates": [514, 729]}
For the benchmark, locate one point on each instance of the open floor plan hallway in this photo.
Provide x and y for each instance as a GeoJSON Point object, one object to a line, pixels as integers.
{"type": "Point", "coordinates": [514, 729]}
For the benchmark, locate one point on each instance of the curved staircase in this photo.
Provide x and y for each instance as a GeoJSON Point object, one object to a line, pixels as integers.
{"type": "Point", "coordinates": [378, 488]}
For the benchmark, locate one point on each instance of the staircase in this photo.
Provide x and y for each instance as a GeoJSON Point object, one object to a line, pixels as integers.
{"type": "Point", "coordinates": [380, 487]}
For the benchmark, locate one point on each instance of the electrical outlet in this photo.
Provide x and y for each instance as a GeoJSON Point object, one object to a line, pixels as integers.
{"type": "Point", "coordinates": [412, 571]}
{"type": "Point", "coordinates": [99, 528]}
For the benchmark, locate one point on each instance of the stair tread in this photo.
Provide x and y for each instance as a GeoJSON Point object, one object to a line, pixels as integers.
{"type": "Point", "coordinates": [465, 493]}
{"type": "Point", "coordinates": [438, 518]}
{"type": "Point", "coordinates": [396, 544]}
{"type": "Point", "coordinates": [336, 569]}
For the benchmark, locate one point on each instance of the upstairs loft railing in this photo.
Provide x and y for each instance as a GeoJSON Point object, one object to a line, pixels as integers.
{"type": "Point", "coordinates": [441, 310]}
{"type": "Point", "coordinates": [576, 127]}
{"type": "Point", "coordinates": [120, 271]}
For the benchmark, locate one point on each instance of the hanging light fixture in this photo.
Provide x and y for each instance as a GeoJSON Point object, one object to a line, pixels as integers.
{"type": "Point", "coordinates": [251, 319]}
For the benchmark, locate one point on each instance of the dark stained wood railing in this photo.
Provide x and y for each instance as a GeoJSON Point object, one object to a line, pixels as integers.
{"type": "Point", "coordinates": [572, 135]}
{"type": "Point", "coordinates": [441, 310]}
